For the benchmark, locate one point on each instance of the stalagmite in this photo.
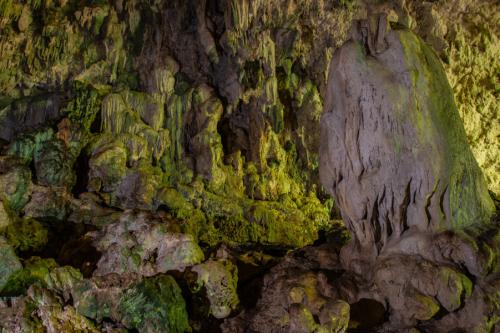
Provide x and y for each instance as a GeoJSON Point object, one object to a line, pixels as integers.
{"type": "Point", "coordinates": [395, 156]}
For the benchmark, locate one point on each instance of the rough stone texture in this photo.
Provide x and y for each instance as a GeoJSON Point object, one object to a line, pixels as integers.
{"type": "Point", "coordinates": [9, 262]}
{"type": "Point", "coordinates": [151, 305]}
{"type": "Point", "coordinates": [15, 182]}
{"type": "Point", "coordinates": [219, 278]}
{"type": "Point", "coordinates": [201, 120]}
{"type": "Point", "coordinates": [297, 297]}
{"type": "Point", "coordinates": [196, 96]}
{"type": "Point", "coordinates": [48, 203]}
{"type": "Point", "coordinates": [396, 110]}
{"type": "Point", "coordinates": [139, 244]}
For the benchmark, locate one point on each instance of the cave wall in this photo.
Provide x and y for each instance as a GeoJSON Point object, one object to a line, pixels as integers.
{"type": "Point", "coordinates": [208, 110]}
{"type": "Point", "coordinates": [205, 114]}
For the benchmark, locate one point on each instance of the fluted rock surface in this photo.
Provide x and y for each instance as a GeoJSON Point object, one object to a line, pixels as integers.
{"type": "Point", "coordinates": [394, 151]}
{"type": "Point", "coordinates": [395, 156]}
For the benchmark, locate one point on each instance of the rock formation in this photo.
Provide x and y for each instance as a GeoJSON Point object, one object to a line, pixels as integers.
{"type": "Point", "coordinates": [165, 155]}
{"type": "Point", "coordinates": [395, 157]}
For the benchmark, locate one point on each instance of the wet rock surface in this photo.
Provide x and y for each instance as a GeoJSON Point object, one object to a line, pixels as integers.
{"type": "Point", "coordinates": [160, 166]}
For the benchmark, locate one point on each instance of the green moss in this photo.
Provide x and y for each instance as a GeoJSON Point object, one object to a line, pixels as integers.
{"type": "Point", "coordinates": [137, 116]}
{"type": "Point", "coordinates": [25, 146]}
{"type": "Point", "coordinates": [55, 315]}
{"type": "Point", "coordinates": [472, 69]}
{"type": "Point", "coordinates": [428, 307]}
{"type": "Point", "coordinates": [83, 108]}
{"type": "Point", "coordinates": [107, 165]}
{"type": "Point", "coordinates": [155, 305]}
{"type": "Point", "coordinates": [150, 111]}
{"type": "Point", "coordinates": [116, 117]}
{"type": "Point", "coordinates": [173, 161]}
{"type": "Point", "coordinates": [469, 201]}
{"type": "Point", "coordinates": [115, 45]}
{"type": "Point", "coordinates": [182, 209]}
{"type": "Point", "coordinates": [143, 130]}
{"type": "Point", "coordinates": [220, 280]}
{"type": "Point", "coordinates": [460, 287]}
{"type": "Point", "coordinates": [277, 115]}
{"type": "Point", "coordinates": [10, 9]}
{"type": "Point", "coordinates": [26, 234]}
{"type": "Point", "coordinates": [36, 270]}
{"type": "Point", "coordinates": [22, 148]}
{"type": "Point", "coordinates": [54, 164]}
{"type": "Point", "coordinates": [15, 188]}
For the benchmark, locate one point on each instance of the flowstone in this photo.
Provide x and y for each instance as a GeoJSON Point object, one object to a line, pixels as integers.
{"type": "Point", "coordinates": [395, 156]}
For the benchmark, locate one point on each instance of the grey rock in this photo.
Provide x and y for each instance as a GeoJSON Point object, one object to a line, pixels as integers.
{"type": "Point", "coordinates": [395, 156]}
{"type": "Point", "coordinates": [141, 244]}
{"type": "Point", "coordinates": [394, 152]}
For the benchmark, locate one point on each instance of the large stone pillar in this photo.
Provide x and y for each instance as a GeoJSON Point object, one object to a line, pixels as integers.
{"type": "Point", "coordinates": [395, 156]}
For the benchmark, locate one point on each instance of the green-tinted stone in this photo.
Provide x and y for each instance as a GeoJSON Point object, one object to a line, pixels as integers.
{"type": "Point", "coordinates": [36, 270]}
{"type": "Point", "coordinates": [220, 280]}
{"type": "Point", "coordinates": [9, 263]}
{"type": "Point", "coordinates": [155, 305]}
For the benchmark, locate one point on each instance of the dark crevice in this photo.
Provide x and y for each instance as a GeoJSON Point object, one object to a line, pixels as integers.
{"type": "Point", "coordinates": [428, 203]}
{"type": "Point", "coordinates": [441, 313]}
{"type": "Point", "coordinates": [388, 225]}
{"type": "Point", "coordinates": [95, 127]}
{"type": "Point", "coordinates": [81, 168]}
{"type": "Point", "coordinates": [368, 314]}
{"type": "Point", "coordinates": [225, 132]}
{"type": "Point", "coordinates": [374, 220]}
{"type": "Point", "coordinates": [69, 246]}
{"type": "Point", "coordinates": [252, 70]}
{"type": "Point", "coordinates": [404, 207]}
{"type": "Point", "coordinates": [250, 282]}
{"type": "Point", "coordinates": [441, 202]}
{"type": "Point", "coordinates": [33, 169]}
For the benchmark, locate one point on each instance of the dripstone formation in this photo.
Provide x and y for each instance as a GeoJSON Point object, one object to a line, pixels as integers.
{"type": "Point", "coordinates": [395, 157]}
{"type": "Point", "coordinates": [160, 166]}
{"type": "Point", "coordinates": [423, 250]}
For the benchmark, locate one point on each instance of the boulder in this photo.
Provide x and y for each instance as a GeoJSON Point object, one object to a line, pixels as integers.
{"type": "Point", "coordinates": [144, 245]}
{"type": "Point", "coordinates": [219, 279]}
{"type": "Point", "coordinates": [9, 263]}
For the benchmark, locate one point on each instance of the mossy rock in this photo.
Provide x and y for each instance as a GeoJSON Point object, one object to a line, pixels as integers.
{"type": "Point", "coordinates": [54, 165]}
{"type": "Point", "coordinates": [15, 188]}
{"type": "Point", "coordinates": [219, 280]}
{"type": "Point", "coordinates": [155, 305]}
{"type": "Point", "coordinates": [26, 234]}
{"type": "Point", "coordinates": [36, 270]}
{"type": "Point", "coordinates": [9, 263]}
